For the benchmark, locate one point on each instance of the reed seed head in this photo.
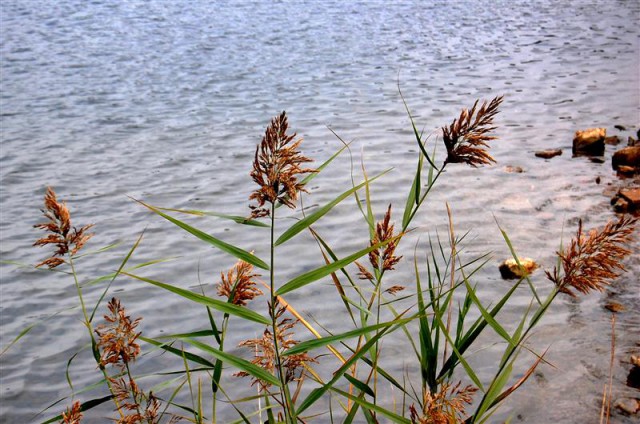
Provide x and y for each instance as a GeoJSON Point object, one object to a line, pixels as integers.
{"type": "Point", "coordinates": [467, 136]}
{"type": "Point", "coordinates": [447, 406]}
{"type": "Point", "coordinates": [238, 285]}
{"type": "Point", "coordinates": [276, 165]}
{"type": "Point", "coordinates": [384, 232]}
{"type": "Point", "coordinates": [265, 354]}
{"type": "Point", "coordinates": [72, 415]}
{"type": "Point", "coordinates": [592, 260]}
{"type": "Point", "coordinates": [118, 338]}
{"type": "Point", "coordinates": [68, 240]}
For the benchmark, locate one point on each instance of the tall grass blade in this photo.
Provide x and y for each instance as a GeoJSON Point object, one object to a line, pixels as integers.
{"type": "Point", "coordinates": [368, 405]}
{"type": "Point", "coordinates": [317, 343]}
{"type": "Point", "coordinates": [219, 305]}
{"type": "Point", "coordinates": [84, 407]}
{"type": "Point", "coordinates": [318, 273]}
{"type": "Point", "coordinates": [225, 247]}
{"type": "Point", "coordinates": [320, 212]}
{"type": "Point", "coordinates": [236, 218]}
{"type": "Point", "coordinates": [237, 362]}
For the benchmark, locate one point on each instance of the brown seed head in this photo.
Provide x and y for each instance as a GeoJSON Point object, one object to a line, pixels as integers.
{"type": "Point", "coordinates": [447, 406]}
{"type": "Point", "coordinates": [467, 136]}
{"type": "Point", "coordinates": [238, 285]}
{"type": "Point", "coordinates": [68, 240]}
{"type": "Point", "coordinates": [264, 350]}
{"type": "Point", "coordinates": [73, 415]}
{"type": "Point", "coordinates": [118, 337]}
{"type": "Point", "coordinates": [592, 260]}
{"type": "Point", "coordinates": [384, 232]}
{"type": "Point", "coordinates": [276, 165]}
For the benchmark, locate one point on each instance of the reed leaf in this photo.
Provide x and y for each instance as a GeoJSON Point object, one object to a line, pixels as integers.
{"type": "Point", "coordinates": [179, 352]}
{"type": "Point", "coordinates": [376, 408]}
{"type": "Point", "coordinates": [319, 213]}
{"type": "Point", "coordinates": [236, 218]}
{"type": "Point", "coordinates": [317, 343]}
{"type": "Point", "coordinates": [225, 247]}
{"type": "Point", "coordinates": [237, 362]}
{"type": "Point", "coordinates": [227, 308]}
{"type": "Point", "coordinates": [323, 271]}
{"type": "Point", "coordinates": [85, 406]}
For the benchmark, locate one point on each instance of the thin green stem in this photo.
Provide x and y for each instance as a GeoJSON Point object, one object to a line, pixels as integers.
{"type": "Point", "coordinates": [87, 323]}
{"type": "Point", "coordinates": [287, 404]}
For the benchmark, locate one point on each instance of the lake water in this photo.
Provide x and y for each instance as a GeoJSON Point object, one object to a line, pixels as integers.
{"type": "Point", "coordinates": [165, 101]}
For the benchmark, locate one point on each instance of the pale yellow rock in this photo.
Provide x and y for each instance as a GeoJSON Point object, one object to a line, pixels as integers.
{"type": "Point", "coordinates": [590, 135]}
{"type": "Point", "coordinates": [509, 269]}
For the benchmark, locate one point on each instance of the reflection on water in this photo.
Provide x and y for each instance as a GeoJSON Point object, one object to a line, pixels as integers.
{"type": "Point", "coordinates": [165, 102]}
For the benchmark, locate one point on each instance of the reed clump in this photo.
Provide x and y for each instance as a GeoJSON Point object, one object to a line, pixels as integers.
{"type": "Point", "coordinates": [344, 368]}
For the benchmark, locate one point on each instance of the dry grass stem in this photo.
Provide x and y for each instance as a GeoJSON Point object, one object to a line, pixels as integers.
{"type": "Point", "coordinates": [118, 339]}
{"type": "Point", "coordinates": [276, 166]}
{"type": "Point", "coordinates": [239, 285]}
{"type": "Point", "coordinates": [447, 406]}
{"type": "Point", "coordinates": [67, 239]}
{"type": "Point", "coordinates": [73, 415]}
{"type": "Point", "coordinates": [592, 260]}
{"type": "Point", "coordinates": [467, 136]}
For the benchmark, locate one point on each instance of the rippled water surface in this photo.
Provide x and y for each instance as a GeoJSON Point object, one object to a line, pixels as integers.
{"type": "Point", "coordinates": [165, 101]}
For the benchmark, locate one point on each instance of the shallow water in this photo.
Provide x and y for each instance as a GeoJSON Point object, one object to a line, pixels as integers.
{"type": "Point", "coordinates": [165, 102]}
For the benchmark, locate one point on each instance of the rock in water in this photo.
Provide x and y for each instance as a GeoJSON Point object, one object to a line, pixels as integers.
{"type": "Point", "coordinates": [589, 142]}
{"type": "Point", "coordinates": [627, 200]}
{"type": "Point", "coordinates": [510, 270]}
{"type": "Point", "coordinates": [549, 153]}
{"type": "Point", "coordinates": [627, 156]}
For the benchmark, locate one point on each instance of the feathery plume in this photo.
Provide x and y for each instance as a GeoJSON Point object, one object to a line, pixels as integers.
{"type": "Point", "coordinates": [276, 165]}
{"type": "Point", "coordinates": [67, 239]}
{"type": "Point", "coordinates": [238, 285]}
{"type": "Point", "coordinates": [118, 337]}
{"type": "Point", "coordinates": [467, 135]}
{"type": "Point", "coordinates": [265, 355]}
{"type": "Point", "coordinates": [592, 260]}
{"type": "Point", "coordinates": [72, 415]}
{"type": "Point", "coordinates": [447, 406]}
{"type": "Point", "coordinates": [384, 232]}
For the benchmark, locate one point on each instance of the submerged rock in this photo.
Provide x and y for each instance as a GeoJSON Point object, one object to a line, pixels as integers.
{"type": "Point", "coordinates": [509, 269]}
{"type": "Point", "coordinates": [614, 140]}
{"type": "Point", "coordinates": [629, 406]}
{"type": "Point", "coordinates": [589, 142]}
{"type": "Point", "coordinates": [514, 169]}
{"type": "Point", "coordinates": [626, 200]}
{"type": "Point", "coordinates": [549, 153]}
{"type": "Point", "coordinates": [627, 156]}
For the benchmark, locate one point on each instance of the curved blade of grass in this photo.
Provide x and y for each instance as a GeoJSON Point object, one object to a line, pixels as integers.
{"type": "Point", "coordinates": [237, 362]}
{"type": "Point", "coordinates": [219, 305]}
{"type": "Point", "coordinates": [320, 212]}
{"type": "Point", "coordinates": [414, 193]}
{"type": "Point", "coordinates": [474, 331]}
{"type": "Point", "coordinates": [368, 405]}
{"type": "Point", "coordinates": [236, 218]}
{"type": "Point", "coordinates": [225, 247]}
{"type": "Point", "coordinates": [178, 352]}
{"type": "Point", "coordinates": [323, 271]}
{"type": "Point", "coordinates": [202, 333]}
{"type": "Point", "coordinates": [85, 406]}
{"type": "Point", "coordinates": [363, 387]}
{"type": "Point", "coordinates": [317, 343]}
{"type": "Point", "coordinates": [30, 327]}
{"type": "Point", "coordinates": [122, 265]}
{"type": "Point", "coordinates": [415, 130]}
{"type": "Point", "coordinates": [515, 257]}
{"type": "Point", "coordinates": [320, 391]}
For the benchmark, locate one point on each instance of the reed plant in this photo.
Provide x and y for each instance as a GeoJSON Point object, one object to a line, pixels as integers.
{"type": "Point", "coordinates": [335, 375]}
